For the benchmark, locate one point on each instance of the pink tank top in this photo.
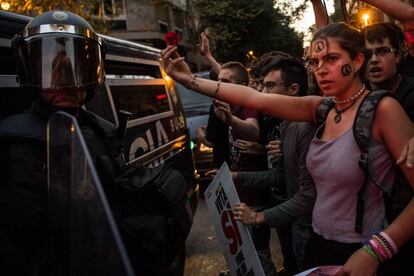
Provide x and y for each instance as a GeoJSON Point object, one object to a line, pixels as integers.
{"type": "Point", "coordinates": [334, 167]}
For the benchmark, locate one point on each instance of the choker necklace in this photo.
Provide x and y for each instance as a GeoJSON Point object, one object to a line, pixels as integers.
{"type": "Point", "coordinates": [353, 97]}
{"type": "Point", "coordinates": [338, 116]}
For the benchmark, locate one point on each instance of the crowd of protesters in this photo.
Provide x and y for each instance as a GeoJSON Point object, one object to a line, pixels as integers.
{"type": "Point", "coordinates": [294, 170]}
{"type": "Point", "coordinates": [313, 171]}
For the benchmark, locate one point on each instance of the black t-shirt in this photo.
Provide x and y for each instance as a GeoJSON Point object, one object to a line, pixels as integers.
{"type": "Point", "coordinates": [407, 66]}
{"type": "Point", "coordinates": [217, 132]}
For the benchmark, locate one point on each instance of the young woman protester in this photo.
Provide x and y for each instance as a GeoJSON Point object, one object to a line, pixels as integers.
{"type": "Point", "coordinates": [336, 59]}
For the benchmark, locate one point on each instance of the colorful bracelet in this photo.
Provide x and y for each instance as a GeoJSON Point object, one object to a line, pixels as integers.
{"type": "Point", "coordinates": [378, 250]}
{"type": "Point", "coordinates": [390, 241]}
{"type": "Point", "coordinates": [370, 252]}
{"type": "Point", "coordinates": [384, 246]}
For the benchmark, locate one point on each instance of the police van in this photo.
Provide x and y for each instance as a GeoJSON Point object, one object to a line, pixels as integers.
{"type": "Point", "coordinates": [137, 93]}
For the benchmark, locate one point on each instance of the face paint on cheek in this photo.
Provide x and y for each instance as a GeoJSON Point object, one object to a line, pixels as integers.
{"type": "Point", "coordinates": [346, 70]}
{"type": "Point", "coordinates": [319, 46]}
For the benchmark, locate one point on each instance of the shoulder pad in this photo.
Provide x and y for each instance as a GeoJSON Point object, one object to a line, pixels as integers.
{"type": "Point", "coordinates": [108, 127]}
{"type": "Point", "coordinates": [24, 125]}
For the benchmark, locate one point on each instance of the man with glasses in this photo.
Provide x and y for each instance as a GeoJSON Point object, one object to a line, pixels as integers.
{"type": "Point", "coordinates": [384, 43]}
{"type": "Point", "coordinates": [288, 177]}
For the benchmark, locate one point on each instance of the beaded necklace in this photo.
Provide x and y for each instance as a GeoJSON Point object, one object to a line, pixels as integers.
{"type": "Point", "coordinates": [353, 97]}
{"type": "Point", "coordinates": [338, 115]}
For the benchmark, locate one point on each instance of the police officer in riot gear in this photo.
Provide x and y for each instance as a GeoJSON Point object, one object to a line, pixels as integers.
{"type": "Point", "coordinates": [59, 58]}
{"type": "Point", "coordinates": [60, 55]}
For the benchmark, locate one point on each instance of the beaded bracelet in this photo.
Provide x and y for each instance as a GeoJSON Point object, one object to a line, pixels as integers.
{"type": "Point", "coordinates": [384, 246]}
{"type": "Point", "coordinates": [390, 241]}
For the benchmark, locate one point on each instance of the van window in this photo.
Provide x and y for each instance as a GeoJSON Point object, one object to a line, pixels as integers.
{"type": "Point", "coordinates": [129, 70]}
{"type": "Point", "coordinates": [141, 100]}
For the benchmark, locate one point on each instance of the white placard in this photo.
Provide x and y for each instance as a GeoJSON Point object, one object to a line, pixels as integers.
{"type": "Point", "coordinates": [325, 270]}
{"type": "Point", "coordinates": [233, 235]}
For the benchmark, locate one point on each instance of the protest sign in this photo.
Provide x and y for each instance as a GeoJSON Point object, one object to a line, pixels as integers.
{"type": "Point", "coordinates": [234, 237]}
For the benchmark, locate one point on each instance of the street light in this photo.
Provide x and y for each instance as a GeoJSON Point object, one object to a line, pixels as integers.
{"type": "Point", "coordinates": [5, 5]}
{"type": "Point", "coordinates": [365, 17]}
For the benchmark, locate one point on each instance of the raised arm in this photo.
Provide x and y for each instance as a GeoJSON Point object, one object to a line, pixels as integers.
{"type": "Point", "coordinates": [400, 10]}
{"type": "Point", "coordinates": [321, 17]}
{"type": "Point", "coordinates": [247, 128]}
{"type": "Point", "coordinates": [280, 106]}
{"type": "Point", "coordinates": [205, 50]}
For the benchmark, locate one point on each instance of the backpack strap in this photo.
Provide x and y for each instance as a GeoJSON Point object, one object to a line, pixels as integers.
{"type": "Point", "coordinates": [362, 129]}
{"type": "Point", "coordinates": [323, 109]}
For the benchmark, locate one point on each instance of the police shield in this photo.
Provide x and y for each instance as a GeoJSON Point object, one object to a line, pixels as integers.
{"type": "Point", "coordinates": [84, 239]}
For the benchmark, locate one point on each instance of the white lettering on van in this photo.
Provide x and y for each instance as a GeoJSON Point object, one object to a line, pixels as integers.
{"type": "Point", "coordinates": [147, 144]}
{"type": "Point", "coordinates": [137, 144]}
{"type": "Point", "coordinates": [161, 134]}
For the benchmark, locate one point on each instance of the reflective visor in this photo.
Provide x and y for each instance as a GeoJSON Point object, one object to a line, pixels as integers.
{"type": "Point", "coordinates": [60, 61]}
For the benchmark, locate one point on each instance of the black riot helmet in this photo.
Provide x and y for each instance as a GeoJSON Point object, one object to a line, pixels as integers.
{"type": "Point", "coordinates": [59, 50]}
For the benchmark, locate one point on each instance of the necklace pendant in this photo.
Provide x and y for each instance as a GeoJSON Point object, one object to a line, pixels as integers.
{"type": "Point", "coordinates": [338, 117]}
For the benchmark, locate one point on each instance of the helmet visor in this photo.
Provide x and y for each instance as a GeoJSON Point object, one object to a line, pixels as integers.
{"type": "Point", "coordinates": [60, 61]}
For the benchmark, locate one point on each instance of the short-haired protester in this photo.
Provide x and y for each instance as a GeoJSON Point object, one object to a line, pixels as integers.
{"type": "Point", "coordinates": [336, 59]}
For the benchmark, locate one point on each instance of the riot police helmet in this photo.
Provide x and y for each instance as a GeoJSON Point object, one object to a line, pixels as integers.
{"type": "Point", "coordinates": [59, 50]}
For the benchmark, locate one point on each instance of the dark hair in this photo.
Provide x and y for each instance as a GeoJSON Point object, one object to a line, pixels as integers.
{"type": "Point", "coordinates": [240, 72]}
{"type": "Point", "coordinates": [212, 75]}
{"type": "Point", "coordinates": [378, 32]}
{"type": "Point", "coordinates": [264, 60]}
{"type": "Point", "coordinates": [349, 38]}
{"type": "Point", "coordinates": [292, 71]}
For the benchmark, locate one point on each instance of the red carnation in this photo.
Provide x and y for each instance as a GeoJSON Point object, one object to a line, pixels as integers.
{"type": "Point", "coordinates": [409, 37]}
{"type": "Point", "coordinates": [171, 38]}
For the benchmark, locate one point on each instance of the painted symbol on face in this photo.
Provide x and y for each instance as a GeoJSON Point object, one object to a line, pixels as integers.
{"type": "Point", "coordinates": [319, 46]}
{"type": "Point", "coordinates": [346, 70]}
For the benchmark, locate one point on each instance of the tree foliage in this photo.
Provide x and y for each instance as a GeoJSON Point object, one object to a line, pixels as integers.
{"type": "Point", "coordinates": [91, 10]}
{"type": "Point", "coordinates": [238, 26]}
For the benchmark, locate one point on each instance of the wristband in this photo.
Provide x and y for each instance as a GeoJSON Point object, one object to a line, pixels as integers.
{"type": "Point", "coordinates": [370, 252]}
{"type": "Point", "coordinates": [193, 84]}
{"type": "Point", "coordinates": [255, 219]}
{"type": "Point", "coordinates": [217, 89]}
{"type": "Point", "coordinates": [378, 250]}
{"type": "Point", "coordinates": [390, 241]}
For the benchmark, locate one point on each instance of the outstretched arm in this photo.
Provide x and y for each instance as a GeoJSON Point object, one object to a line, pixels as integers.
{"type": "Point", "coordinates": [280, 106]}
{"type": "Point", "coordinates": [400, 10]}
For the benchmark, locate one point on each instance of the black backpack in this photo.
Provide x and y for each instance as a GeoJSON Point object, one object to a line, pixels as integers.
{"type": "Point", "coordinates": [401, 193]}
{"type": "Point", "coordinates": [155, 220]}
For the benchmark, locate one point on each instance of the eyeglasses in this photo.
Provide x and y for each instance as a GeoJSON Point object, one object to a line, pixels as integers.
{"type": "Point", "coordinates": [379, 52]}
{"type": "Point", "coordinates": [272, 84]}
